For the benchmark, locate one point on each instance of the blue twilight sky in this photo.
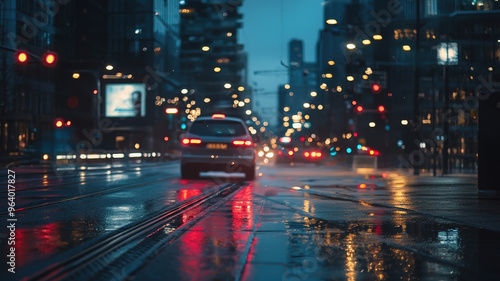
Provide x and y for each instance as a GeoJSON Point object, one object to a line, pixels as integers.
{"type": "Point", "coordinates": [268, 27]}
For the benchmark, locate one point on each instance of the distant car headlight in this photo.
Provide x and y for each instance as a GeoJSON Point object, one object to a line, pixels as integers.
{"type": "Point", "coordinates": [270, 155]}
{"type": "Point", "coordinates": [261, 153]}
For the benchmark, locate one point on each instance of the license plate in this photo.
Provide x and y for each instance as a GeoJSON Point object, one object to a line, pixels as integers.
{"type": "Point", "coordinates": [217, 146]}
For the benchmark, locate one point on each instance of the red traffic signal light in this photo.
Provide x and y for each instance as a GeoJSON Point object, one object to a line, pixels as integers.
{"type": "Point", "coordinates": [61, 123]}
{"type": "Point", "coordinates": [359, 108]}
{"type": "Point", "coordinates": [21, 57]}
{"type": "Point", "coordinates": [376, 88]}
{"type": "Point", "coordinates": [49, 59]}
{"type": "Point", "coordinates": [381, 108]}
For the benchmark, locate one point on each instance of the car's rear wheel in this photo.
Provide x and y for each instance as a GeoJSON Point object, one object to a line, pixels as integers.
{"type": "Point", "coordinates": [250, 174]}
{"type": "Point", "coordinates": [188, 172]}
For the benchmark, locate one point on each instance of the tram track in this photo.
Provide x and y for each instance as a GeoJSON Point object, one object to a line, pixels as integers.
{"type": "Point", "coordinates": [26, 207]}
{"type": "Point", "coordinates": [105, 259]}
{"type": "Point", "coordinates": [74, 174]}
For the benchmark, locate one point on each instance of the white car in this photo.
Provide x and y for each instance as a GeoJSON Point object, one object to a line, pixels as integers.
{"type": "Point", "coordinates": [218, 143]}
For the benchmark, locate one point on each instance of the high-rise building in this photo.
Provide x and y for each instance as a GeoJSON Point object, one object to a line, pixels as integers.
{"type": "Point", "coordinates": [300, 96]}
{"type": "Point", "coordinates": [213, 64]}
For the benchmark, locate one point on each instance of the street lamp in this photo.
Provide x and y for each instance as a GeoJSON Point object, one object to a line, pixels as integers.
{"type": "Point", "coordinates": [331, 21]}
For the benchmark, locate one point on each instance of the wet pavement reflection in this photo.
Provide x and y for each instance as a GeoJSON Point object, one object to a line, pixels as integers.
{"type": "Point", "coordinates": [285, 233]}
{"type": "Point", "coordinates": [44, 235]}
{"type": "Point", "coordinates": [293, 223]}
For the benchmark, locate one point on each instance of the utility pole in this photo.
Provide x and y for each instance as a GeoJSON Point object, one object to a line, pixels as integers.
{"type": "Point", "coordinates": [446, 141]}
{"type": "Point", "coordinates": [416, 119]}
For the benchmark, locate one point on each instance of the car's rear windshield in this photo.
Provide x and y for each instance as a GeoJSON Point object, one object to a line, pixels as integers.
{"type": "Point", "coordinates": [217, 128]}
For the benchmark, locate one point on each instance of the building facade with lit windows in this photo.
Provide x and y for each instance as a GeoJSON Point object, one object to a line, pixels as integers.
{"type": "Point", "coordinates": [344, 50]}
{"type": "Point", "coordinates": [431, 111]}
{"type": "Point", "coordinates": [27, 89]}
{"type": "Point", "coordinates": [213, 64]}
{"type": "Point", "coordinates": [116, 63]}
{"type": "Point", "coordinates": [144, 42]}
{"type": "Point", "coordinates": [458, 55]}
{"type": "Point", "coordinates": [119, 64]}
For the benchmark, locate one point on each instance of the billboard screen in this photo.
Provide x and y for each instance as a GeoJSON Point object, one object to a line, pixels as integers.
{"type": "Point", "coordinates": [125, 100]}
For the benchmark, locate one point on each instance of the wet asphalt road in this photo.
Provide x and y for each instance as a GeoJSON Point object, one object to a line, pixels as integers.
{"type": "Point", "coordinates": [300, 222]}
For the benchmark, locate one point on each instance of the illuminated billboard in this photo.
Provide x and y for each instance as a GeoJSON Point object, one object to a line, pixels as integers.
{"type": "Point", "coordinates": [125, 100]}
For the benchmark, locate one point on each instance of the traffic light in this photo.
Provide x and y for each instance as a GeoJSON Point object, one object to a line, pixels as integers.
{"type": "Point", "coordinates": [381, 109]}
{"type": "Point", "coordinates": [61, 123]}
{"type": "Point", "coordinates": [49, 59]}
{"type": "Point", "coordinates": [359, 108]}
{"type": "Point", "coordinates": [376, 88]}
{"type": "Point", "coordinates": [21, 57]}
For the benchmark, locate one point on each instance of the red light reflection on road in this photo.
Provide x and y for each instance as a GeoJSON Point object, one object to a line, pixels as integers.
{"type": "Point", "coordinates": [33, 242]}
{"type": "Point", "coordinates": [222, 235]}
{"type": "Point", "coordinates": [242, 209]}
{"type": "Point", "coordinates": [184, 194]}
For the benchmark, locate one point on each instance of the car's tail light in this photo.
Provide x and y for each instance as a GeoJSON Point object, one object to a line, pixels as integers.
{"type": "Point", "coordinates": [314, 154]}
{"type": "Point", "coordinates": [191, 141]}
{"type": "Point", "coordinates": [290, 152]}
{"type": "Point", "coordinates": [242, 142]}
{"type": "Point", "coordinates": [218, 116]}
